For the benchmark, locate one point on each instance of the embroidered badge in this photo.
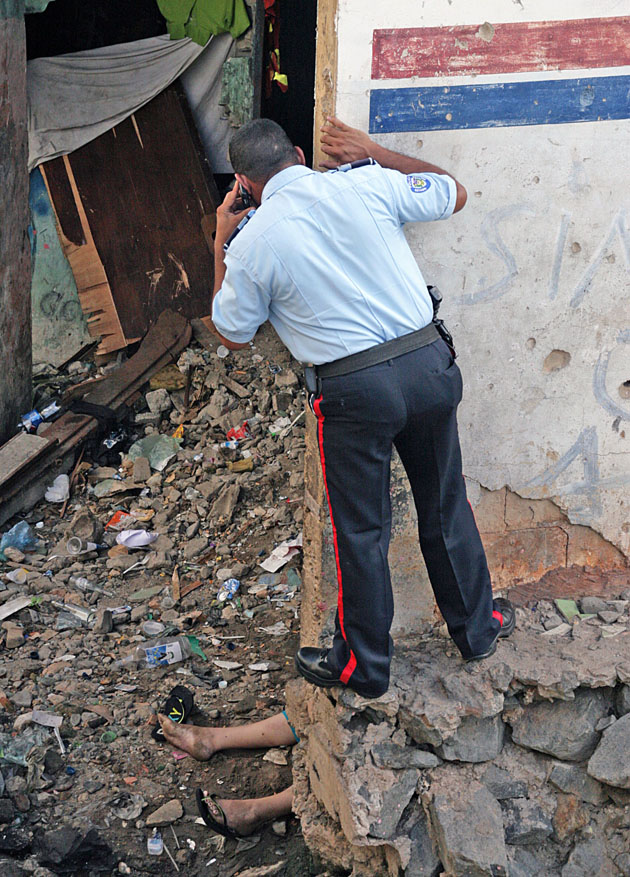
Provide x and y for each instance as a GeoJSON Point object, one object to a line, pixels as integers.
{"type": "Point", "coordinates": [418, 184]}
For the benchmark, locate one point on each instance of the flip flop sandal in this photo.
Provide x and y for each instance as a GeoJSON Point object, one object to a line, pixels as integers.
{"type": "Point", "coordinates": [178, 706]}
{"type": "Point", "coordinates": [207, 802]}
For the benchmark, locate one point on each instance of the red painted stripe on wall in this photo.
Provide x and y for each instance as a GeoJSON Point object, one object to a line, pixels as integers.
{"type": "Point", "coordinates": [515, 47]}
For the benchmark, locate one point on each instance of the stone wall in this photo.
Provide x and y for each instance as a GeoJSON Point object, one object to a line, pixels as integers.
{"type": "Point", "coordinates": [518, 765]}
{"type": "Point", "coordinates": [15, 301]}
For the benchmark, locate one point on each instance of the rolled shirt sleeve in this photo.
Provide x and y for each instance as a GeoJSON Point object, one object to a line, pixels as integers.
{"type": "Point", "coordinates": [422, 197]}
{"type": "Point", "coordinates": [241, 305]}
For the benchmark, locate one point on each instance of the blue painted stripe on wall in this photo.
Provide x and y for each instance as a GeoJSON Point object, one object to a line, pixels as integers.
{"type": "Point", "coordinates": [494, 105]}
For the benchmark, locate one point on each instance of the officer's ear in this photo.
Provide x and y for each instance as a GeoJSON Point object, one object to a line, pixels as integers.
{"type": "Point", "coordinates": [300, 155]}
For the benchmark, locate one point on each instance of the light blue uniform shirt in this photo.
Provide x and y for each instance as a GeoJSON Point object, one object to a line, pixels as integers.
{"type": "Point", "coordinates": [326, 261]}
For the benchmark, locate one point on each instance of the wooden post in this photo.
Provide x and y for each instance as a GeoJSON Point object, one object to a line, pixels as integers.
{"type": "Point", "coordinates": [15, 263]}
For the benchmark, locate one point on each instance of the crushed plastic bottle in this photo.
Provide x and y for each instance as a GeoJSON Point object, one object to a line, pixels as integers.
{"type": "Point", "coordinates": [155, 844]}
{"type": "Point", "coordinates": [158, 654]}
{"type": "Point", "coordinates": [228, 590]}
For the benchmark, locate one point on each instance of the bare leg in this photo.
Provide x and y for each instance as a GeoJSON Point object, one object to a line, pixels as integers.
{"type": "Point", "coordinates": [202, 743]}
{"type": "Point", "coordinates": [247, 815]}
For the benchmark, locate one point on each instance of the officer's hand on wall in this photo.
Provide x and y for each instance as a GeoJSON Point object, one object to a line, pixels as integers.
{"type": "Point", "coordinates": [343, 143]}
{"type": "Point", "coordinates": [228, 216]}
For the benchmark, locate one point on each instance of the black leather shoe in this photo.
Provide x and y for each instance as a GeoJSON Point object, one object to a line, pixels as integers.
{"type": "Point", "coordinates": [504, 609]}
{"type": "Point", "coordinates": [314, 666]}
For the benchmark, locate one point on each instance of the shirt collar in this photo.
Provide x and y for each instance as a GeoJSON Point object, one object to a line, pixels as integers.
{"type": "Point", "coordinates": [283, 177]}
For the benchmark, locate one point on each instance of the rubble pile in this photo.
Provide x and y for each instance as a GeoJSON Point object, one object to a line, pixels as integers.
{"type": "Point", "coordinates": [182, 531]}
{"type": "Point", "coordinates": [517, 765]}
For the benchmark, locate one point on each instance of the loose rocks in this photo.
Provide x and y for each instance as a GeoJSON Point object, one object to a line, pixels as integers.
{"type": "Point", "coordinates": [565, 730]}
{"type": "Point", "coordinates": [610, 762]}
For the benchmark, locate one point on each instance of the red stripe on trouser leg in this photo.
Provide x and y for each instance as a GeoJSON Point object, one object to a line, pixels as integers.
{"type": "Point", "coordinates": [498, 617]}
{"type": "Point", "coordinates": [350, 667]}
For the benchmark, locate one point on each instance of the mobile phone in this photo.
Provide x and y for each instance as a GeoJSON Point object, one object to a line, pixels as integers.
{"type": "Point", "coordinates": [246, 198]}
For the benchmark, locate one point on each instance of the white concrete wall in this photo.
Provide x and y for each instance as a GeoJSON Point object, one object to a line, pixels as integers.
{"type": "Point", "coordinates": [538, 261]}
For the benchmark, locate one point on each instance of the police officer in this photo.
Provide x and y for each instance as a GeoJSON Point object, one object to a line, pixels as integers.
{"type": "Point", "coordinates": [324, 258]}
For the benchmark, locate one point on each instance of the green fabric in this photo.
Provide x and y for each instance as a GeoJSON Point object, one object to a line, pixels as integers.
{"type": "Point", "coordinates": [200, 19]}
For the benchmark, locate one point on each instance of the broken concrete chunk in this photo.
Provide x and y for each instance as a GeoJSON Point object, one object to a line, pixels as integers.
{"type": "Point", "coordinates": [475, 740]}
{"type": "Point", "coordinates": [167, 813]}
{"type": "Point", "coordinates": [610, 763]}
{"type": "Point", "coordinates": [158, 401]}
{"type": "Point", "coordinates": [565, 730]}
{"type": "Point", "coordinates": [525, 822]}
{"type": "Point", "coordinates": [468, 825]}
{"type": "Point", "coordinates": [224, 505]}
{"type": "Point", "coordinates": [141, 469]}
{"type": "Point", "coordinates": [195, 546]}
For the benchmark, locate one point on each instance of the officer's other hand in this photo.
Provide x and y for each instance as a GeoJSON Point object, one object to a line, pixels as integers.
{"type": "Point", "coordinates": [343, 143]}
{"type": "Point", "coordinates": [229, 215]}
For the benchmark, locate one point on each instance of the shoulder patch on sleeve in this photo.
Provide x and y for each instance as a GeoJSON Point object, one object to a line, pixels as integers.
{"type": "Point", "coordinates": [418, 184]}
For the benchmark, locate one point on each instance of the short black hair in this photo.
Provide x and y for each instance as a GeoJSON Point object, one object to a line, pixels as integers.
{"type": "Point", "coordinates": [260, 149]}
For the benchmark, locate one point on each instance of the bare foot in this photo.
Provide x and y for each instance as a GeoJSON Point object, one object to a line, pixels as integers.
{"type": "Point", "coordinates": [196, 741]}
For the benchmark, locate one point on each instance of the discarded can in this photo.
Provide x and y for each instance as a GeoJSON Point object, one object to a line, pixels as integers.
{"type": "Point", "coordinates": [32, 419]}
{"type": "Point", "coordinates": [228, 590]}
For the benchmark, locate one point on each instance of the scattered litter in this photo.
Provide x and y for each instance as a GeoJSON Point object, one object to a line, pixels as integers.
{"type": "Point", "coordinates": [136, 538]}
{"type": "Point", "coordinates": [277, 629]}
{"type": "Point", "coordinates": [49, 720]}
{"type": "Point", "coordinates": [158, 449]}
{"type": "Point", "coordinates": [20, 536]}
{"type": "Point", "coordinates": [155, 845]}
{"type": "Point", "coordinates": [276, 756]}
{"type": "Point", "coordinates": [227, 665]}
{"type": "Point", "coordinates": [228, 590]}
{"type": "Point", "coordinates": [59, 490]}
{"type": "Point", "coordinates": [282, 554]}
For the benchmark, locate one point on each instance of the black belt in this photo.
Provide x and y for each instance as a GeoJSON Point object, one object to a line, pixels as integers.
{"type": "Point", "coordinates": [372, 356]}
{"type": "Point", "coordinates": [379, 353]}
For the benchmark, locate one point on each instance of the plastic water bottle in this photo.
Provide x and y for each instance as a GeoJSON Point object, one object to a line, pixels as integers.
{"type": "Point", "coordinates": [158, 654]}
{"type": "Point", "coordinates": [228, 590]}
{"type": "Point", "coordinates": [155, 844]}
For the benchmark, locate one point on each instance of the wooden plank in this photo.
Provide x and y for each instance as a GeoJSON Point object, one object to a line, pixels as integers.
{"type": "Point", "coordinates": [87, 268]}
{"type": "Point", "coordinates": [512, 47]}
{"type": "Point", "coordinates": [23, 448]}
{"type": "Point", "coordinates": [325, 71]}
{"type": "Point", "coordinates": [61, 195]}
{"type": "Point", "coordinates": [144, 187]}
{"type": "Point", "coordinates": [494, 105]}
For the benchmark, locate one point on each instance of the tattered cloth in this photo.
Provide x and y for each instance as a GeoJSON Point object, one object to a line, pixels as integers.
{"type": "Point", "coordinates": [74, 98]}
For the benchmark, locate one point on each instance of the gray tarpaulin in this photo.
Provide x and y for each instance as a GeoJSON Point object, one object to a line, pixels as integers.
{"type": "Point", "coordinates": [75, 98]}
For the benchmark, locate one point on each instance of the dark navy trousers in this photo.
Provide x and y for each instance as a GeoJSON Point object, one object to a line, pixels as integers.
{"type": "Point", "coordinates": [409, 402]}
